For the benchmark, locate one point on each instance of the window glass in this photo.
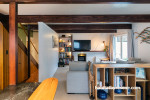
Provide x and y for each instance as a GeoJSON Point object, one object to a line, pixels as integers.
{"type": "Point", "coordinates": [118, 47]}
{"type": "Point", "coordinates": [121, 47]}
{"type": "Point", "coordinates": [124, 47]}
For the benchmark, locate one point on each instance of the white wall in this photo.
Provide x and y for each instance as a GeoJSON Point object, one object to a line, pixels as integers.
{"type": "Point", "coordinates": [96, 44]}
{"type": "Point", "coordinates": [48, 56]}
{"type": "Point", "coordinates": [142, 50]}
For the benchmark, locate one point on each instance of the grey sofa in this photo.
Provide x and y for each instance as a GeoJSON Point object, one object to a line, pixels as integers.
{"type": "Point", "coordinates": [77, 77]}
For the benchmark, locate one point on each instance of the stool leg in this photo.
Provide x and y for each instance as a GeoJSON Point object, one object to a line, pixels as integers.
{"type": "Point", "coordinates": [90, 90]}
{"type": "Point", "coordinates": [93, 89]}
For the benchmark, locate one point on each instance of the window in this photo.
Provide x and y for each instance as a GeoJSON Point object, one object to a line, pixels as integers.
{"type": "Point", "coordinates": [121, 47]}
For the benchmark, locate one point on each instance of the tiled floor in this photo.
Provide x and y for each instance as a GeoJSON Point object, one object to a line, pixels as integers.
{"type": "Point", "coordinates": [19, 92]}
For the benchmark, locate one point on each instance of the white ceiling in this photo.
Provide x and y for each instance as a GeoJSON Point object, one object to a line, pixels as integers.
{"type": "Point", "coordinates": [78, 9]}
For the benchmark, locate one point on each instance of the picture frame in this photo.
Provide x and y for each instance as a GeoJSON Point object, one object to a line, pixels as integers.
{"type": "Point", "coordinates": [140, 73]}
{"type": "Point", "coordinates": [54, 41]}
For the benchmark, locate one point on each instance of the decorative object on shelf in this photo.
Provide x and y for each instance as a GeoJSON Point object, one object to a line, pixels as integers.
{"type": "Point", "coordinates": [61, 50]}
{"type": "Point", "coordinates": [121, 70]}
{"type": "Point", "coordinates": [101, 94]}
{"type": "Point", "coordinates": [106, 49]}
{"type": "Point", "coordinates": [61, 62]}
{"type": "Point", "coordinates": [145, 35]}
{"type": "Point", "coordinates": [60, 40]}
{"type": "Point", "coordinates": [63, 35]}
{"type": "Point", "coordinates": [140, 73]}
{"type": "Point", "coordinates": [54, 41]}
{"type": "Point", "coordinates": [129, 91]}
{"type": "Point", "coordinates": [118, 91]}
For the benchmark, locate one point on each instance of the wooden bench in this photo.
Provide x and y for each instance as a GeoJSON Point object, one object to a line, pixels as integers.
{"type": "Point", "coordinates": [46, 90]}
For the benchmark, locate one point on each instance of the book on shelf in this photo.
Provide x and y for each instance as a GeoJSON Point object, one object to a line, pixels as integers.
{"type": "Point", "coordinates": [66, 61]}
{"type": "Point", "coordinates": [118, 82]}
{"type": "Point", "coordinates": [62, 55]}
{"type": "Point", "coordinates": [68, 49]}
{"type": "Point", "coordinates": [64, 45]}
{"type": "Point", "coordinates": [61, 44]}
{"type": "Point", "coordinates": [99, 83]}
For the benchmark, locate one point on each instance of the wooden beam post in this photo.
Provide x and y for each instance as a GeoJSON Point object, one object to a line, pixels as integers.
{"type": "Point", "coordinates": [28, 51]}
{"type": "Point", "coordinates": [13, 43]}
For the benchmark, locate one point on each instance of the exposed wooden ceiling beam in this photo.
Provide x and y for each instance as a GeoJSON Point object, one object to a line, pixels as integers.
{"type": "Point", "coordinates": [86, 26]}
{"type": "Point", "coordinates": [82, 18]}
{"type": "Point", "coordinates": [86, 31]}
{"type": "Point", "coordinates": [75, 1]}
{"type": "Point", "coordinates": [91, 26]}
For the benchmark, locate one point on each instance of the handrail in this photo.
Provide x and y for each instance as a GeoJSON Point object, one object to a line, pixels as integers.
{"type": "Point", "coordinates": [34, 47]}
{"type": "Point", "coordinates": [30, 40]}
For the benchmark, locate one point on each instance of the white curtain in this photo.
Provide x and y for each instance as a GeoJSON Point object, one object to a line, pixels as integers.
{"type": "Point", "coordinates": [130, 43]}
{"type": "Point", "coordinates": [112, 49]}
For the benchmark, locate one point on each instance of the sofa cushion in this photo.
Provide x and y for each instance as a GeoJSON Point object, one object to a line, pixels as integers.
{"type": "Point", "coordinates": [78, 66]}
{"type": "Point", "coordinates": [77, 82]}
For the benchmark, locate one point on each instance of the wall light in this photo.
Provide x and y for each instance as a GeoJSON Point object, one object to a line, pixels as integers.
{"type": "Point", "coordinates": [104, 44]}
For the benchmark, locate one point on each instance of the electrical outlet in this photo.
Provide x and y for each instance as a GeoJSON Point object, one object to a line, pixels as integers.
{"type": "Point", "coordinates": [6, 51]}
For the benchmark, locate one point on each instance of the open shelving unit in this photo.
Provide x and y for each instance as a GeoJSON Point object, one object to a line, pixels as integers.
{"type": "Point", "coordinates": [65, 48]}
{"type": "Point", "coordinates": [129, 79]}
